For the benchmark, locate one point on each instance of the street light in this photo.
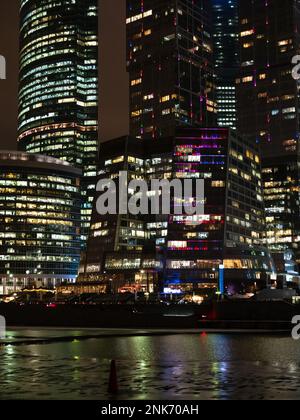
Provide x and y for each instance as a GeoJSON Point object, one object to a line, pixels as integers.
{"type": "Point", "coordinates": [111, 286]}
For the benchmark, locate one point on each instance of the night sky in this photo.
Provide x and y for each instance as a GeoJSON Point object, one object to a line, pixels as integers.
{"type": "Point", "coordinates": [113, 93]}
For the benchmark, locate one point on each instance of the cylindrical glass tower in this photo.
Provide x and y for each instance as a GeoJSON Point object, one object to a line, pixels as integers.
{"type": "Point", "coordinates": [58, 91]}
{"type": "Point", "coordinates": [39, 221]}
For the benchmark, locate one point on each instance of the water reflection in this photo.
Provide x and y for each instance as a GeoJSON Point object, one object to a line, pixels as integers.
{"type": "Point", "coordinates": [161, 367]}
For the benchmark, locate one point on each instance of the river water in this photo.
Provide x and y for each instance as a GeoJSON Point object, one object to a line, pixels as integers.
{"type": "Point", "coordinates": [70, 364]}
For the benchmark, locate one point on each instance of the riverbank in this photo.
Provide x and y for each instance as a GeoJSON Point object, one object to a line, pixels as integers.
{"type": "Point", "coordinates": [236, 315]}
{"type": "Point", "coordinates": [33, 336]}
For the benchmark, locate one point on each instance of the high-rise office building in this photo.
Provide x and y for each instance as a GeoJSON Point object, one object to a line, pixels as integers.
{"type": "Point", "coordinates": [268, 111]}
{"type": "Point", "coordinates": [119, 247]}
{"type": "Point", "coordinates": [183, 252]}
{"type": "Point", "coordinates": [58, 89]}
{"type": "Point", "coordinates": [230, 232]}
{"type": "Point", "coordinates": [39, 221]}
{"type": "Point", "coordinates": [226, 58]}
{"type": "Point", "coordinates": [170, 65]}
{"type": "Point", "coordinates": [281, 185]}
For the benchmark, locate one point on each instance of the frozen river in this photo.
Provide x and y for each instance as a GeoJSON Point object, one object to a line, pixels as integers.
{"type": "Point", "coordinates": [74, 364]}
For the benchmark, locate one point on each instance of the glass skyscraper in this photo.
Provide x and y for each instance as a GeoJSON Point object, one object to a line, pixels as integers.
{"type": "Point", "coordinates": [170, 65]}
{"type": "Point", "coordinates": [183, 252]}
{"type": "Point", "coordinates": [58, 90]}
{"type": "Point", "coordinates": [226, 53]}
{"type": "Point", "coordinates": [39, 221]}
{"type": "Point", "coordinates": [268, 112]}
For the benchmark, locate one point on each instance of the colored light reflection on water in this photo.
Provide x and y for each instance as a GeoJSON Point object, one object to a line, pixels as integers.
{"type": "Point", "coordinates": [174, 367]}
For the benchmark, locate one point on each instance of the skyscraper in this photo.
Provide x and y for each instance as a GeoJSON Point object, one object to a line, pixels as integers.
{"type": "Point", "coordinates": [118, 249]}
{"type": "Point", "coordinates": [226, 54]}
{"type": "Point", "coordinates": [58, 92]}
{"type": "Point", "coordinates": [183, 252]}
{"type": "Point", "coordinates": [170, 64]}
{"type": "Point", "coordinates": [39, 221]}
{"type": "Point", "coordinates": [268, 99]}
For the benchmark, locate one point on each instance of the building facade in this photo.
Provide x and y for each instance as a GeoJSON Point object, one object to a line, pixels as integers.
{"type": "Point", "coordinates": [182, 252]}
{"type": "Point", "coordinates": [268, 98]}
{"type": "Point", "coordinates": [39, 221]}
{"type": "Point", "coordinates": [226, 59]}
{"type": "Point", "coordinates": [58, 89]}
{"type": "Point", "coordinates": [229, 234]}
{"type": "Point", "coordinates": [281, 185]}
{"type": "Point", "coordinates": [119, 250]}
{"type": "Point", "coordinates": [170, 65]}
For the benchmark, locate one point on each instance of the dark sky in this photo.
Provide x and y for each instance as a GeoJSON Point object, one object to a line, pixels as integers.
{"type": "Point", "coordinates": [113, 77]}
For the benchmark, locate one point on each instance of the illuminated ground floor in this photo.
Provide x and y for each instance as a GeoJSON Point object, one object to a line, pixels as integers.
{"type": "Point", "coordinates": [13, 284]}
{"type": "Point", "coordinates": [218, 278]}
